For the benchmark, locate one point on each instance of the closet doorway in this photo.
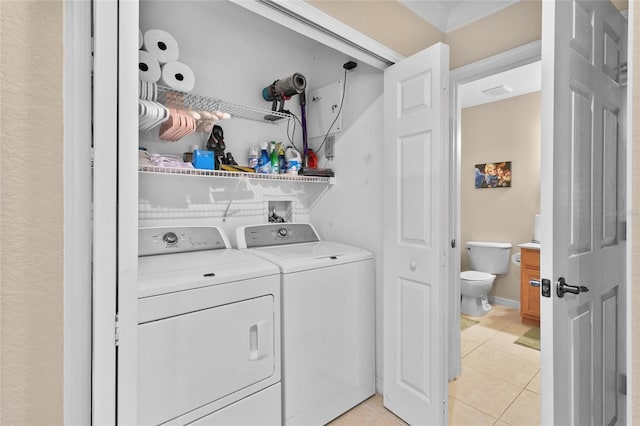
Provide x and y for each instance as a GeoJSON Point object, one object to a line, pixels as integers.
{"type": "Point", "coordinates": [496, 120]}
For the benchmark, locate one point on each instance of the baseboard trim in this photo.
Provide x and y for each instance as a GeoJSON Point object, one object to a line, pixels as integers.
{"type": "Point", "coordinates": [515, 304]}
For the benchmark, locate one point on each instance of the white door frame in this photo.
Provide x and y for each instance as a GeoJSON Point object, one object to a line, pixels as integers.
{"type": "Point", "coordinates": [77, 212]}
{"type": "Point", "coordinates": [510, 59]}
{"type": "Point", "coordinates": [629, 213]}
{"type": "Point", "coordinates": [105, 157]}
{"type": "Point", "coordinates": [127, 237]}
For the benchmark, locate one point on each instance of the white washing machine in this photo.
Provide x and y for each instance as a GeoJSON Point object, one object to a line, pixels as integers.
{"type": "Point", "coordinates": [208, 331]}
{"type": "Point", "coordinates": [328, 324]}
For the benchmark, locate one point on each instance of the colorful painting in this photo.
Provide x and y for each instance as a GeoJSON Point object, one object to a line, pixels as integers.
{"type": "Point", "coordinates": [493, 175]}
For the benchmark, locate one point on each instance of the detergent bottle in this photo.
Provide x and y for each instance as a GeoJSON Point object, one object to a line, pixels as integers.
{"type": "Point", "coordinates": [253, 158]}
{"type": "Point", "coordinates": [293, 160]}
{"type": "Point", "coordinates": [274, 158]}
{"type": "Point", "coordinates": [282, 163]}
{"type": "Point", "coordinates": [264, 162]}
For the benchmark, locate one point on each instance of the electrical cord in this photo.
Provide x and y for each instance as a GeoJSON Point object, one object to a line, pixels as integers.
{"type": "Point", "coordinates": [291, 137]}
{"type": "Point", "coordinates": [293, 134]}
{"type": "Point", "coordinates": [344, 91]}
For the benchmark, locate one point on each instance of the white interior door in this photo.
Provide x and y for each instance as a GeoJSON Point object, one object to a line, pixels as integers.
{"type": "Point", "coordinates": [583, 205]}
{"type": "Point", "coordinates": [415, 231]}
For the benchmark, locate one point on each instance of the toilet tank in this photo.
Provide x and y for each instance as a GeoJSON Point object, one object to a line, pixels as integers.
{"type": "Point", "coordinates": [487, 256]}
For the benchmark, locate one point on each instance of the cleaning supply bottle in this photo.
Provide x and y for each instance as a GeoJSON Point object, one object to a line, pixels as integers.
{"type": "Point", "coordinates": [293, 159]}
{"type": "Point", "coordinates": [274, 158]}
{"type": "Point", "coordinates": [253, 158]}
{"type": "Point", "coordinates": [312, 160]}
{"type": "Point", "coordinates": [282, 163]}
{"type": "Point", "coordinates": [264, 163]}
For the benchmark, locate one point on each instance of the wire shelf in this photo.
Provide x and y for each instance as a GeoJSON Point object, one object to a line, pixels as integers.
{"type": "Point", "coordinates": [226, 174]}
{"type": "Point", "coordinates": [191, 101]}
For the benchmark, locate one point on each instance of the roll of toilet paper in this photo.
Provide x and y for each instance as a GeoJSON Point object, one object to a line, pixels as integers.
{"type": "Point", "coordinates": [515, 259]}
{"type": "Point", "coordinates": [162, 45]}
{"type": "Point", "coordinates": [140, 39]}
{"type": "Point", "coordinates": [177, 76]}
{"type": "Point", "coordinates": [148, 67]}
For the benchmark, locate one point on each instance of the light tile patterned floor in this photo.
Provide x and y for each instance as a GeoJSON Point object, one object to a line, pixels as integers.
{"type": "Point", "coordinates": [499, 384]}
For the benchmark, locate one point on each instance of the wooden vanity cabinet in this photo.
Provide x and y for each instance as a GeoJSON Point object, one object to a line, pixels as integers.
{"type": "Point", "coordinates": [530, 286]}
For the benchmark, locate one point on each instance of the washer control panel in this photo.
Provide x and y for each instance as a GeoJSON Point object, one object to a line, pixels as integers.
{"type": "Point", "coordinates": [279, 234]}
{"type": "Point", "coordinates": [180, 239]}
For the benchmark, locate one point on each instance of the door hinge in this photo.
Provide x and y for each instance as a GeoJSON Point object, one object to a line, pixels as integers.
{"type": "Point", "coordinates": [453, 243]}
{"type": "Point", "coordinates": [622, 387]}
{"type": "Point", "coordinates": [117, 331]}
{"type": "Point", "coordinates": [93, 55]}
{"type": "Point", "coordinates": [444, 84]}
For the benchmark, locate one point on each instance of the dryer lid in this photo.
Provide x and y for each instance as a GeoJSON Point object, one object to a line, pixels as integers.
{"type": "Point", "coordinates": [169, 273]}
{"type": "Point", "coordinates": [475, 276]}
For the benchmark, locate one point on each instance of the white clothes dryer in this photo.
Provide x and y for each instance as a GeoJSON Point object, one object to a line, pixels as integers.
{"type": "Point", "coordinates": [208, 331]}
{"type": "Point", "coordinates": [328, 324]}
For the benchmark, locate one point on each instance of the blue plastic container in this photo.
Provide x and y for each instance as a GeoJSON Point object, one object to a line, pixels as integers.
{"type": "Point", "coordinates": [203, 159]}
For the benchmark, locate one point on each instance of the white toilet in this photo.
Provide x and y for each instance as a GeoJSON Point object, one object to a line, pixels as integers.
{"type": "Point", "coordinates": [487, 259]}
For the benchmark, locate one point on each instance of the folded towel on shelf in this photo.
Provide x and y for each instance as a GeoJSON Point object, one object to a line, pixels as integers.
{"type": "Point", "coordinates": [156, 160]}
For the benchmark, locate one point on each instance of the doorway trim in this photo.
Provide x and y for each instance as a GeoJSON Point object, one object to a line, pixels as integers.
{"type": "Point", "coordinates": [519, 56]}
{"type": "Point", "coordinates": [77, 212]}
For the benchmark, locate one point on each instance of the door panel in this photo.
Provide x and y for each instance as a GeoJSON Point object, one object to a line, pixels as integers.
{"type": "Point", "coordinates": [580, 183]}
{"type": "Point", "coordinates": [414, 374]}
{"type": "Point", "coordinates": [584, 123]}
{"type": "Point", "coordinates": [581, 370]}
{"type": "Point", "coordinates": [415, 226]}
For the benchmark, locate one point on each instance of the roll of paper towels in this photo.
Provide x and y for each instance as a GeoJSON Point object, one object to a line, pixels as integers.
{"type": "Point", "coordinates": [148, 67]}
{"type": "Point", "coordinates": [162, 45]}
{"type": "Point", "coordinates": [177, 76]}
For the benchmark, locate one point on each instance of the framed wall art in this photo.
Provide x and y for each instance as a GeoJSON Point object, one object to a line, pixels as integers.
{"type": "Point", "coordinates": [493, 175]}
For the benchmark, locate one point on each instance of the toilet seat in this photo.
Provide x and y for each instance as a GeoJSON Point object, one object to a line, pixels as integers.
{"type": "Point", "coordinates": [476, 276]}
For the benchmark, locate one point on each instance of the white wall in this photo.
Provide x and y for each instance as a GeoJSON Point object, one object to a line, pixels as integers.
{"type": "Point", "coordinates": [234, 55]}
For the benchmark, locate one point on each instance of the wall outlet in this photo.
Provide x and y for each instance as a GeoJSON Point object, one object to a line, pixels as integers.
{"type": "Point", "coordinates": [329, 147]}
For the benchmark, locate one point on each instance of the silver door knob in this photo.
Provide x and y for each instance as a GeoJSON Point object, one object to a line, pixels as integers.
{"type": "Point", "coordinates": [562, 287]}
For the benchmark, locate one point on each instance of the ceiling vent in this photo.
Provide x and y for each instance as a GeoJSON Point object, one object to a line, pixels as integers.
{"type": "Point", "coordinates": [498, 91]}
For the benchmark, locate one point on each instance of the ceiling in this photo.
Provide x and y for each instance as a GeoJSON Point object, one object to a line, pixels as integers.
{"type": "Point", "coordinates": [520, 81]}
{"type": "Point", "coordinates": [447, 15]}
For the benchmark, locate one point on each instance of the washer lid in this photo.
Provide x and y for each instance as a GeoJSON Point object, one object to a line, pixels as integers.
{"type": "Point", "coordinates": [306, 256]}
{"type": "Point", "coordinates": [476, 276]}
{"type": "Point", "coordinates": [174, 272]}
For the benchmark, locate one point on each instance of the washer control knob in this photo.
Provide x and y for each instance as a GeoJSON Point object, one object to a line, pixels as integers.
{"type": "Point", "coordinates": [282, 232]}
{"type": "Point", "coordinates": [170, 239]}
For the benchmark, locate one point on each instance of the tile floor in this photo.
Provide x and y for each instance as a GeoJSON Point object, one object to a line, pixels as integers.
{"type": "Point", "coordinates": [499, 384]}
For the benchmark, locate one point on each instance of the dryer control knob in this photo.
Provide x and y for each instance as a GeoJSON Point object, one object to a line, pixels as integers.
{"type": "Point", "coordinates": [282, 232]}
{"type": "Point", "coordinates": [170, 238]}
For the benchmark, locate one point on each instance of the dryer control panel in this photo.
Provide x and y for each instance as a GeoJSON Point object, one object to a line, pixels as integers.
{"type": "Point", "coordinates": [180, 239]}
{"type": "Point", "coordinates": [275, 234]}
